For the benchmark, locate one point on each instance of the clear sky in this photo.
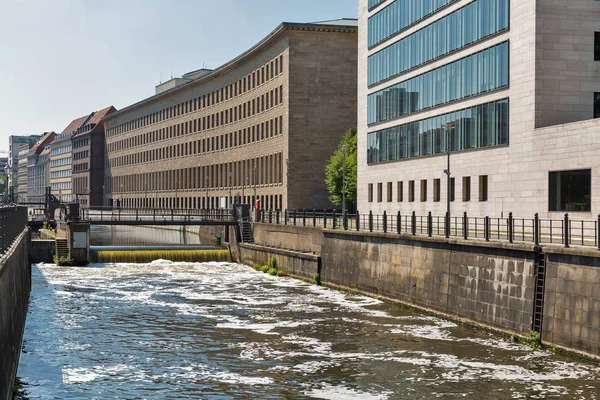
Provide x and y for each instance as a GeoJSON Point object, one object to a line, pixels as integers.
{"type": "Point", "coordinates": [62, 59]}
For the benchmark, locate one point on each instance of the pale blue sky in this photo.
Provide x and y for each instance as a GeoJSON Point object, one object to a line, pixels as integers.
{"type": "Point", "coordinates": [61, 59]}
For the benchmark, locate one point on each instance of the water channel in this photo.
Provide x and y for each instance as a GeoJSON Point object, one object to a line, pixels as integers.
{"type": "Point", "coordinates": [224, 331]}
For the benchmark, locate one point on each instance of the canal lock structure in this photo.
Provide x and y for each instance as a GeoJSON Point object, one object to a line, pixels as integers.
{"type": "Point", "coordinates": [225, 331]}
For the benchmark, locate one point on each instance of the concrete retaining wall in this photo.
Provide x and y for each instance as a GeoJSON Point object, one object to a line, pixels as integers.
{"type": "Point", "coordinates": [486, 283]}
{"type": "Point", "coordinates": [43, 251]}
{"type": "Point", "coordinates": [304, 239]}
{"type": "Point", "coordinates": [301, 265]}
{"type": "Point", "coordinates": [15, 285]}
{"type": "Point", "coordinates": [572, 299]}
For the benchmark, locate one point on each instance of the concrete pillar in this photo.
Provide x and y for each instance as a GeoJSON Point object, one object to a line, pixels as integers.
{"type": "Point", "coordinates": [78, 237]}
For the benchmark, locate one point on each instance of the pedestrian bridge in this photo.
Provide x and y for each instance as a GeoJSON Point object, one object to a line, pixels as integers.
{"type": "Point", "coordinates": [157, 216]}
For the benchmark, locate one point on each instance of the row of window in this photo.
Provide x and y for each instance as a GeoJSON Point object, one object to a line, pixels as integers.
{"type": "Point", "coordinates": [64, 173]}
{"type": "Point", "coordinates": [484, 125]}
{"type": "Point", "coordinates": [81, 155]}
{"type": "Point", "coordinates": [56, 186]}
{"type": "Point", "coordinates": [264, 170]}
{"type": "Point", "coordinates": [470, 24]}
{"type": "Point", "coordinates": [259, 132]}
{"type": "Point", "coordinates": [477, 73]}
{"type": "Point", "coordinates": [81, 167]}
{"type": "Point", "coordinates": [260, 104]}
{"type": "Point", "coordinates": [399, 15]}
{"type": "Point", "coordinates": [81, 142]}
{"type": "Point", "coordinates": [60, 150]}
{"type": "Point", "coordinates": [373, 3]}
{"type": "Point", "coordinates": [61, 161]}
{"type": "Point", "coordinates": [466, 190]}
{"type": "Point", "coordinates": [81, 185]}
{"type": "Point", "coordinates": [265, 73]}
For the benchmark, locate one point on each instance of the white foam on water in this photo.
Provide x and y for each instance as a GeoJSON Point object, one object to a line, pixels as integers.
{"type": "Point", "coordinates": [312, 344]}
{"type": "Point", "coordinates": [311, 367]}
{"type": "Point", "coordinates": [330, 392]}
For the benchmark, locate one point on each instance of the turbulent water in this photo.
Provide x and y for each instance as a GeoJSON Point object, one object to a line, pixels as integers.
{"type": "Point", "coordinates": [225, 331]}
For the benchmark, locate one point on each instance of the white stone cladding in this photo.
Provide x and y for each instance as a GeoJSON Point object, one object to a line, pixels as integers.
{"type": "Point", "coordinates": [518, 174]}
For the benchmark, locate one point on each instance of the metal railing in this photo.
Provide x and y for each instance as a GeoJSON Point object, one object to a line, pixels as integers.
{"type": "Point", "coordinates": [13, 219]}
{"type": "Point", "coordinates": [565, 231]}
{"type": "Point", "coordinates": [108, 214]}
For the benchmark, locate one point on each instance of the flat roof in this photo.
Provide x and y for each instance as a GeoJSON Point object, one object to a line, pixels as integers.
{"type": "Point", "coordinates": [338, 25]}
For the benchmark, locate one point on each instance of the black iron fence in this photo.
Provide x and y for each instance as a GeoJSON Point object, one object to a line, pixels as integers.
{"type": "Point", "coordinates": [566, 231]}
{"type": "Point", "coordinates": [13, 219]}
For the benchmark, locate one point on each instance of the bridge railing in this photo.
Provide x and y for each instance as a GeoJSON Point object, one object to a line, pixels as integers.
{"type": "Point", "coordinates": [13, 219]}
{"type": "Point", "coordinates": [108, 214]}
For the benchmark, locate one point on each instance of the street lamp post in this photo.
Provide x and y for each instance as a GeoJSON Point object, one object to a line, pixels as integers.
{"type": "Point", "coordinates": [145, 194]}
{"type": "Point", "coordinates": [121, 205]}
{"type": "Point", "coordinates": [449, 127]}
{"type": "Point", "coordinates": [344, 182]}
{"type": "Point", "coordinates": [246, 183]}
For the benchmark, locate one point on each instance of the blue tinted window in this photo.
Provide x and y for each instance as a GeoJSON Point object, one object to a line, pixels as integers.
{"type": "Point", "coordinates": [441, 38]}
{"type": "Point", "coordinates": [485, 125]}
{"type": "Point", "coordinates": [398, 16]}
{"type": "Point", "coordinates": [373, 3]}
{"type": "Point", "coordinates": [477, 73]}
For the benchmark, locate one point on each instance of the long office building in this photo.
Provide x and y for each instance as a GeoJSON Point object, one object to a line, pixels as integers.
{"type": "Point", "coordinates": [267, 121]}
{"type": "Point", "coordinates": [38, 177]}
{"type": "Point", "coordinates": [508, 88]}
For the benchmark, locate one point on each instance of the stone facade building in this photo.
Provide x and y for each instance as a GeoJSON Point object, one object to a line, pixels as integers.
{"type": "Point", "coordinates": [38, 168]}
{"type": "Point", "coordinates": [61, 160]}
{"type": "Point", "coordinates": [269, 119]}
{"type": "Point", "coordinates": [511, 87]}
{"type": "Point", "coordinates": [14, 142]}
{"type": "Point", "coordinates": [88, 160]}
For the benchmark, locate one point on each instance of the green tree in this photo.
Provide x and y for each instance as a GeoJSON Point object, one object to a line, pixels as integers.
{"type": "Point", "coordinates": [334, 170]}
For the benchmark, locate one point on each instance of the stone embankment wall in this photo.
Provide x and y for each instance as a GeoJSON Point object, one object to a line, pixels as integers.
{"type": "Point", "coordinates": [15, 285]}
{"type": "Point", "coordinates": [487, 283]}
{"type": "Point", "coordinates": [572, 299]}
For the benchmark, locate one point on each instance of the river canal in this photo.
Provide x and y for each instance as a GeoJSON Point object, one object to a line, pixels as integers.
{"type": "Point", "coordinates": [224, 331]}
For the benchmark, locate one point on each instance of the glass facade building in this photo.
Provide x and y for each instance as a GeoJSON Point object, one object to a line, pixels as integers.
{"type": "Point", "coordinates": [475, 74]}
{"type": "Point", "coordinates": [468, 25]}
{"type": "Point", "coordinates": [481, 126]}
{"type": "Point", "coordinates": [400, 15]}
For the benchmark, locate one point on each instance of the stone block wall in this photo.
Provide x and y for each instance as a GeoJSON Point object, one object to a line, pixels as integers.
{"type": "Point", "coordinates": [293, 263]}
{"type": "Point", "coordinates": [572, 299]}
{"type": "Point", "coordinates": [482, 282]}
{"type": "Point", "coordinates": [15, 285]}
{"type": "Point", "coordinates": [299, 238]}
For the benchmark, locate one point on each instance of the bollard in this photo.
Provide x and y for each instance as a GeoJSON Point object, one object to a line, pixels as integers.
{"type": "Point", "coordinates": [536, 229]}
{"type": "Point", "coordinates": [324, 218]}
{"type": "Point", "coordinates": [486, 228]}
{"type": "Point", "coordinates": [429, 224]}
{"type": "Point", "coordinates": [270, 216]}
{"type": "Point", "coordinates": [304, 217]}
{"type": "Point", "coordinates": [510, 227]}
{"type": "Point", "coordinates": [358, 220]}
{"type": "Point", "coordinates": [285, 216]}
{"type": "Point", "coordinates": [384, 221]}
{"type": "Point", "coordinates": [566, 230]}
{"type": "Point", "coordinates": [334, 221]}
{"type": "Point", "coordinates": [314, 217]}
{"type": "Point", "coordinates": [277, 216]}
{"type": "Point", "coordinates": [414, 223]}
{"type": "Point", "coordinates": [399, 224]}
{"type": "Point", "coordinates": [371, 221]}
{"type": "Point", "coordinates": [294, 216]}
{"type": "Point", "coordinates": [465, 226]}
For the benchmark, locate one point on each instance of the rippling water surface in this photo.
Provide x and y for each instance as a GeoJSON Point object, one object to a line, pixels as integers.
{"type": "Point", "coordinates": [224, 331]}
